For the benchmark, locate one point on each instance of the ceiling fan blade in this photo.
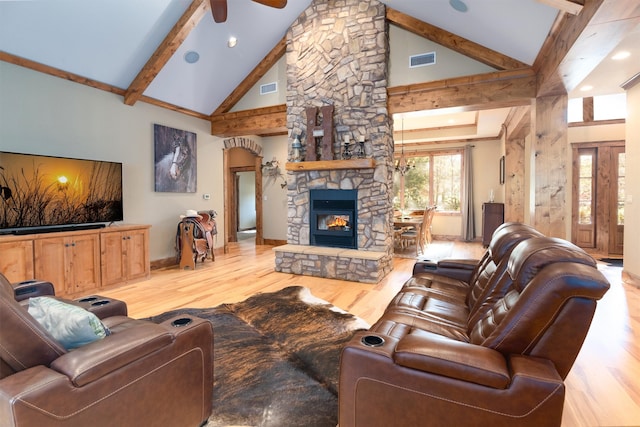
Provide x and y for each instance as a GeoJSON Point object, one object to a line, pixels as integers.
{"type": "Point", "coordinates": [279, 4]}
{"type": "Point", "coordinates": [219, 10]}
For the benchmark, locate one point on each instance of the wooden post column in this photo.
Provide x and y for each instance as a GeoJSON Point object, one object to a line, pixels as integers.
{"type": "Point", "coordinates": [549, 131]}
{"type": "Point", "coordinates": [517, 129]}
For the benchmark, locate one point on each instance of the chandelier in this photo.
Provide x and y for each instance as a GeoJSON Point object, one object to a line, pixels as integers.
{"type": "Point", "coordinates": [402, 164]}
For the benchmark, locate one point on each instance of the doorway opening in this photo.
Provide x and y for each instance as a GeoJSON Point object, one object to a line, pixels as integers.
{"type": "Point", "coordinates": [245, 201]}
{"type": "Point", "coordinates": [598, 197]}
{"type": "Point", "coordinates": [242, 195]}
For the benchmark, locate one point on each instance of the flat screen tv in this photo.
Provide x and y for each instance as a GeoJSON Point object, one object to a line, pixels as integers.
{"type": "Point", "coordinates": [43, 193]}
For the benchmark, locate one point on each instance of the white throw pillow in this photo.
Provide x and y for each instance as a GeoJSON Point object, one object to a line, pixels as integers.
{"type": "Point", "coordinates": [71, 325]}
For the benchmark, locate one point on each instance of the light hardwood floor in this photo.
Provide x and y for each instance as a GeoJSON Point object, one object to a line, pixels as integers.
{"type": "Point", "coordinates": [603, 388]}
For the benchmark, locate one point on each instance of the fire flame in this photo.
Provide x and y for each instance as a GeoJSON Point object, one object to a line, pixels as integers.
{"type": "Point", "coordinates": [338, 222]}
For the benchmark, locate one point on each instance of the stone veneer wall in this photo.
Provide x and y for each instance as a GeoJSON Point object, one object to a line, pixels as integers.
{"type": "Point", "coordinates": [337, 54]}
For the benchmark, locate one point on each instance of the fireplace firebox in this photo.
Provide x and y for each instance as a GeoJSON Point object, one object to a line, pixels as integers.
{"type": "Point", "coordinates": [333, 218]}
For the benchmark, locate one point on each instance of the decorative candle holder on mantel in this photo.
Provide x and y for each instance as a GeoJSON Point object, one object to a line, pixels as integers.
{"type": "Point", "coordinates": [351, 150]}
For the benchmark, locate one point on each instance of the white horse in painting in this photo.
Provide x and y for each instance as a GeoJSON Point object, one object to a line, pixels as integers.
{"type": "Point", "coordinates": [176, 171]}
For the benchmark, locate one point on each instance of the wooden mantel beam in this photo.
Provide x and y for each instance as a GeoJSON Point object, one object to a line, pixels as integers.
{"type": "Point", "coordinates": [267, 121]}
{"type": "Point", "coordinates": [178, 34]}
{"type": "Point", "coordinates": [451, 41]}
{"type": "Point", "coordinates": [482, 91]}
{"type": "Point", "coordinates": [579, 43]}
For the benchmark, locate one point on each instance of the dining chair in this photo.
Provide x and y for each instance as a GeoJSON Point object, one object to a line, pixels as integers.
{"type": "Point", "coordinates": [420, 237]}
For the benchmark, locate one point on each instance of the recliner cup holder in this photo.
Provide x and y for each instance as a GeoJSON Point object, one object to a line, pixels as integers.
{"type": "Point", "coordinates": [183, 321]}
{"type": "Point", "coordinates": [98, 303]}
{"type": "Point", "coordinates": [88, 299]}
{"type": "Point", "coordinates": [372, 341]}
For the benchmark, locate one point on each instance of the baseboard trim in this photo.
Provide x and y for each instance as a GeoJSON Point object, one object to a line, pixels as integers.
{"type": "Point", "coordinates": [274, 242]}
{"type": "Point", "coordinates": [173, 261]}
{"type": "Point", "coordinates": [163, 263]}
{"type": "Point", "coordinates": [631, 279]}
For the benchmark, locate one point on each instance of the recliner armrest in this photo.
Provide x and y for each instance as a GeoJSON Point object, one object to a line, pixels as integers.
{"type": "Point", "coordinates": [99, 358]}
{"type": "Point", "coordinates": [463, 264]}
{"type": "Point", "coordinates": [459, 269]}
{"type": "Point", "coordinates": [439, 355]}
{"type": "Point", "coordinates": [32, 288]}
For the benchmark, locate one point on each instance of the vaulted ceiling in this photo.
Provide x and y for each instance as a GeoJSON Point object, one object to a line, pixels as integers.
{"type": "Point", "coordinates": [140, 49]}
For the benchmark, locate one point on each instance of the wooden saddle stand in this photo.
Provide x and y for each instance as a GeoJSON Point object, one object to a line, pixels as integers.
{"type": "Point", "coordinates": [194, 239]}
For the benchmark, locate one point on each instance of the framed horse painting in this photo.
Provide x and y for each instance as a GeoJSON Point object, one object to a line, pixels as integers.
{"type": "Point", "coordinates": [175, 160]}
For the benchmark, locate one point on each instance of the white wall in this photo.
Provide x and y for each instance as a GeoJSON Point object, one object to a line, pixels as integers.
{"type": "Point", "coordinates": [247, 202]}
{"type": "Point", "coordinates": [632, 205]}
{"type": "Point", "coordinates": [274, 197]}
{"type": "Point", "coordinates": [46, 115]}
{"type": "Point", "coordinates": [403, 44]}
{"type": "Point", "coordinates": [253, 99]}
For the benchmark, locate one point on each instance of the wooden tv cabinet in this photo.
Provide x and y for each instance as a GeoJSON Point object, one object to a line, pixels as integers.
{"type": "Point", "coordinates": [78, 262]}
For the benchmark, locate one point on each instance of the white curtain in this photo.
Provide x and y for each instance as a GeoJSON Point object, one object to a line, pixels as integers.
{"type": "Point", "coordinates": [468, 223]}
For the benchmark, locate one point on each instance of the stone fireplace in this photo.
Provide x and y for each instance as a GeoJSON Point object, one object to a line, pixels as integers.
{"type": "Point", "coordinates": [333, 218]}
{"type": "Point", "coordinates": [337, 55]}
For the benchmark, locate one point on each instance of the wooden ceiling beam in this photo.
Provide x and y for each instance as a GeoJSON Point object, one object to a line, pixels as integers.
{"type": "Point", "coordinates": [256, 74]}
{"type": "Point", "coordinates": [178, 34]}
{"type": "Point", "coordinates": [456, 43]}
{"type": "Point", "coordinates": [579, 43]}
{"type": "Point", "coordinates": [573, 7]}
{"type": "Point", "coordinates": [482, 91]}
{"type": "Point", "coordinates": [518, 122]}
{"type": "Point", "coordinates": [56, 72]}
{"type": "Point", "coordinates": [267, 121]}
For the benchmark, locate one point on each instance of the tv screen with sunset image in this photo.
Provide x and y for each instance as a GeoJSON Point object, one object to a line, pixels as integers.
{"type": "Point", "coordinates": [42, 191]}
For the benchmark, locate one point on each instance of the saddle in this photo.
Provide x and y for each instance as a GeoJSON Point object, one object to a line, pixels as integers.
{"type": "Point", "coordinates": [194, 239]}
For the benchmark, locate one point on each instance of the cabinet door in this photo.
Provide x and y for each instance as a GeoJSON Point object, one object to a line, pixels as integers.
{"type": "Point", "coordinates": [16, 260]}
{"type": "Point", "coordinates": [84, 263]}
{"type": "Point", "coordinates": [71, 263]}
{"type": "Point", "coordinates": [50, 262]}
{"type": "Point", "coordinates": [137, 254]}
{"type": "Point", "coordinates": [112, 246]}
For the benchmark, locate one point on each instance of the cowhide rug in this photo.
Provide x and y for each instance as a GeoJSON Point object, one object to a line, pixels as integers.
{"type": "Point", "coordinates": [276, 359]}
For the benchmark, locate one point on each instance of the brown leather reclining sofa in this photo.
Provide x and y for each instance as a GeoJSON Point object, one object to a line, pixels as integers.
{"type": "Point", "coordinates": [143, 374]}
{"type": "Point", "coordinates": [484, 344]}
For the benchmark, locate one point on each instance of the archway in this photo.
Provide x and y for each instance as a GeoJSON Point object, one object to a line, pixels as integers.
{"type": "Point", "coordinates": [249, 158]}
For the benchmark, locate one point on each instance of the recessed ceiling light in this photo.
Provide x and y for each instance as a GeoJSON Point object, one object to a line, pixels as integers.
{"type": "Point", "coordinates": [586, 88]}
{"type": "Point", "coordinates": [191, 57]}
{"type": "Point", "coordinates": [623, 54]}
{"type": "Point", "coordinates": [232, 41]}
{"type": "Point", "coordinates": [459, 5]}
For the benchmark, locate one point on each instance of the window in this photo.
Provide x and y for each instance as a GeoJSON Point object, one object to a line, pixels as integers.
{"type": "Point", "coordinates": [436, 179]}
{"type": "Point", "coordinates": [586, 186]}
{"type": "Point", "coordinates": [621, 193]}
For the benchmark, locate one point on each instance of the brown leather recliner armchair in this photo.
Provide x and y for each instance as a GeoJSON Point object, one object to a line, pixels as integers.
{"type": "Point", "coordinates": [143, 374]}
{"type": "Point", "coordinates": [431, 360]}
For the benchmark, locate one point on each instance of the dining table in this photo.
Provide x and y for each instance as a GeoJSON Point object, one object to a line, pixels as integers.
{"type": "Point", "coordinates": [405, 223]}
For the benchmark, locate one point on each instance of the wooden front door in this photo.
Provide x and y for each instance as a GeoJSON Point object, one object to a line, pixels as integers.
{"type": "Point", "coordinates": [616, 223]}
{"type": "Point", "coordinates": [598, 196]}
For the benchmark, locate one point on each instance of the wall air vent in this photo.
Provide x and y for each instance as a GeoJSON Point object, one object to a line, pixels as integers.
{"type": "Point", "coordinates": [268, 88]}
{"type": "Point", "coordinates": [422, 59]}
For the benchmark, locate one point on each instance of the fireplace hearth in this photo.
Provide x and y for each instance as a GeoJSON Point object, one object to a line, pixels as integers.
{"type": "Point", "coordinates": [333, 218]}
